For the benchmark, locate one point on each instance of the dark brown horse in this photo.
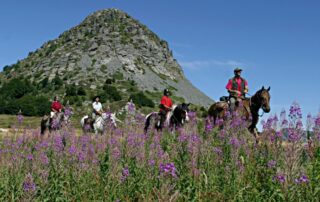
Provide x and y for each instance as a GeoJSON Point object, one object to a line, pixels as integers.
{"type": "Point", "coordinates": [251, 106]}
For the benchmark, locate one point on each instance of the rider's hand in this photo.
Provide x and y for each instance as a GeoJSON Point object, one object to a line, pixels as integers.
{"type": "Point", "coordinates": [236, 91]}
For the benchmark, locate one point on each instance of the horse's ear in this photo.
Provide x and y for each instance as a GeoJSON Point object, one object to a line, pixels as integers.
{"type": "Point", "coordinates": [268, 89]}
{"type": "Point", "coordinates": [262, 88]}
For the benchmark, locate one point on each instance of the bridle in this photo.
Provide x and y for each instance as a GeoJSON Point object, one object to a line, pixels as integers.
{"type": "Point", "coordinates": [258, 96]}
{"type": "Point", "coordinates": [173, 115]}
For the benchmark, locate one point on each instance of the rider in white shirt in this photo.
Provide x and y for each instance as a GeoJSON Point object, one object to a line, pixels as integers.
{"type": "Point", "coordinates": [97, 108]}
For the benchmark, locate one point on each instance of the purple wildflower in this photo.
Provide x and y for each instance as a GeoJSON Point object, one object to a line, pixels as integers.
{"type": "Point", "coordinates": [125, 174]}
{"type": "Point", "coordinates": [295, 111]}
{"type": "Point", "coordinates": [317, 121]}
{"type": "Point", "coordinates": [192, 116]}
{"type": "Point", "coordinates": [58, 144]}
{"type": "Point", "coordinates": [68, 111]}
{"type": "Point", "coordinates": [44, 159]}
{"type": "Point", "coordinates": [168, 169]}
{"type": "Point", "coordinates": [299, 124]}
{"type": "Point", "coordinates": [81, 156]}
{"type": "Point", "coordinates": [30, 157]}
{"type": "Point", "coordinates": [280, 178]}
{"type": "Point", "coordinates": [20, 118]}
{"type": "Point", "coordinates": [302, 179]}
{"type": "Point", "coordinates": [182, 137]}
{"type": "Point", "coordinates": [131, 107]}
{"type": "Point", "coordinates": [310, 122]}
{"type": "Point", "coordinates": [28, 184]}
{"type": "Point", "coordinates": [234, 142]}
{"type": "Point", "coordinates": [55, 124]}
{"type": "Point", "coordinates": [217, 150]}
{"type": "Point", "coordinates": [209, 126]}
{"type": "Point", "coordinates": [272, 163]}
{"type": "Point", "coordinates": [294, 136]}
{"type": "Point", "coordinates": [72, 149]}
{"type": "Point", "coordinates": [151, 162]}
{"type": "Point", "coordinates": [87, 127]}
{"type": "Point", "coordinates": [116, 154]}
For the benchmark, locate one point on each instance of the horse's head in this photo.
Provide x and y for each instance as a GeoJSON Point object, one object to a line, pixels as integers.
{"type": "Point", "coordinates": [106, 116]}
{"type": "Point", "coordinates": [264, 99]}
{"type": "Point", "coordinates": [181, 112]}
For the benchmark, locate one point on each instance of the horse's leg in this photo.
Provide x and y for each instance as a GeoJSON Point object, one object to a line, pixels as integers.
{"type": "Point", "coordinates": [43, 126]}
{"type": "Point", "coordinates": [147, 124]}
{"type": "Point", "coordinates": [214, 119]}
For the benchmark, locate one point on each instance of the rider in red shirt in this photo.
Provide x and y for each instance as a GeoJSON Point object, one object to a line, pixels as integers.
{"type": "Point", "coordinates": [237, 88]}
{"type": "Point", "coordinates": [165, 105]}
{"type": "Point", "coordinates": [56, 107]}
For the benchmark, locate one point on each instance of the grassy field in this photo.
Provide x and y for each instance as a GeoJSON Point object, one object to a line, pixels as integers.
{"type": "Point", "coordinates": [199, 162]}
{"type": "Point", "coordinates": [9, 121]}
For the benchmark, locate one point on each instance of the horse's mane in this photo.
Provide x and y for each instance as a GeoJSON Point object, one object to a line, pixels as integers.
{"type": "Point", "coordinates": [174, 107]}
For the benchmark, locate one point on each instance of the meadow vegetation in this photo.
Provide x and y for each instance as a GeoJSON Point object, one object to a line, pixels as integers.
{"type": "Point", "coordinates": [199, 162]}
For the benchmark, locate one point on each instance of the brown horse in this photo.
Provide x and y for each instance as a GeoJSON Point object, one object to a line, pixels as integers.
{"type": "Point", "coordinates": [251, 106]}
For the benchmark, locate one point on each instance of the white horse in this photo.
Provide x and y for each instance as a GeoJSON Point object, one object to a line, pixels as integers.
{"type": "Point", "coordinates": [100, 124]}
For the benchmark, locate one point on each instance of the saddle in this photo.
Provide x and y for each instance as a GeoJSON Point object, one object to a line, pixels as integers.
{"type": "Point", "coordinates": [227, 100]}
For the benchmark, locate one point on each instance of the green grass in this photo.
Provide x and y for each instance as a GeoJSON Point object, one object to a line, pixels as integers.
{"type": "Point", "coordinates": [7, 121]}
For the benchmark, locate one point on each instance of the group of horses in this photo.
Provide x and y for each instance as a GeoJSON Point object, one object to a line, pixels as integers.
{"type": "Point", "coordinates": [176, 118]}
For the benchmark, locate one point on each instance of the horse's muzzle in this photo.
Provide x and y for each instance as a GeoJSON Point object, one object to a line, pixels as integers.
{"type": "Point", "coordinates": [266, 109]}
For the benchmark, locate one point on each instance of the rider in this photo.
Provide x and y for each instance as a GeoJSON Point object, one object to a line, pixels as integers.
{"type": "Point", "coordinates": [56, 108]}
{"type": "Point", "coordinates": [237, 88]}
{"type": "Point", "coordinates": [165, 105]}
{"type": "Point", "coordinates": [97, 108]}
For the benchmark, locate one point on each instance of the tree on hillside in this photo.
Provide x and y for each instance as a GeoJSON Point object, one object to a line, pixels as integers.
{"type": "Point", "coordinates": [16, 88]}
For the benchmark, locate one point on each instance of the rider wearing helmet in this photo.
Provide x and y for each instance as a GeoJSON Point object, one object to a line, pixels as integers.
{"type": "Point", "coordinates": [56, 109]}
{"type": "Point", "coordinates": [165, 105]}
{"type": "Point", "coordinates": [237, 88]}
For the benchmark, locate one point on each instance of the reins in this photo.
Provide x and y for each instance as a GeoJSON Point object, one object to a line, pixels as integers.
{"type": "Point", "coordinates": [250, 104]}
{"type": "Point", "coordinates": [175, 116]}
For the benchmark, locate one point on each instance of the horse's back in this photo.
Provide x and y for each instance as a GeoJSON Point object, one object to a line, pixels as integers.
{"type": "Point", "coordinates": [217, 107]}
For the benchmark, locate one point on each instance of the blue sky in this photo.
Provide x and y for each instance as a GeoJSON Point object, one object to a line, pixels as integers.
{"type": "Point", "coordinates": [276, 42]}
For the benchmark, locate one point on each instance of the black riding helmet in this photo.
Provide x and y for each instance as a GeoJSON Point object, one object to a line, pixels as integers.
{"type": "Point", "coordinates": [166, 92]}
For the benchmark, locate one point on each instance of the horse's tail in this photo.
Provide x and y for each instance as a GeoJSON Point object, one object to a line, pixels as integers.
{"type": "Point", "coordinates": [83, 122]}
{"type": "Point", "coordinates": [147, 123]}
{"type": "Point", "coordinates": [43, 125]}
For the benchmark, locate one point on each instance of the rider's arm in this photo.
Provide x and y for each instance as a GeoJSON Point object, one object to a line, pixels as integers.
{"type": "Point", "coordinates": [246, 89]}
{"type": "Point", "coordinates": [167, 107]}
{"type": "Point", "coordinates": [229, 87]}
{"type": "Point", "coordinates": [164, 103]}
{"type": "Point", "coordinates": [61, 107]}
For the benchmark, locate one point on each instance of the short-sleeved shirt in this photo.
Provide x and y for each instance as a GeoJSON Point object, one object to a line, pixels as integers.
{"type": "Point", "coordinates": [56, 105]}
{"type": "Point", "coordinates": [238, 80]}
{"type": "Point", "coordinates": [165, 100]}
{"type": "Point", "coordinates": [97, 106]}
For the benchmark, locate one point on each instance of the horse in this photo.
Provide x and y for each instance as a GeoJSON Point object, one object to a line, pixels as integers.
{"type": "Point", "coordinates": [175, 118]}
{"type": "Point", "coordinates": [100, 123]}
{"type": "Point", "coordinates": [251, 106]}
{"type": "Point", "coordinates": [58, 121]}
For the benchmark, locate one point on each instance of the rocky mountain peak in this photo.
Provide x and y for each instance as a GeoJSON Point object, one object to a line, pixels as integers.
{"type": "Point", "coordinates": [106, 43]}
